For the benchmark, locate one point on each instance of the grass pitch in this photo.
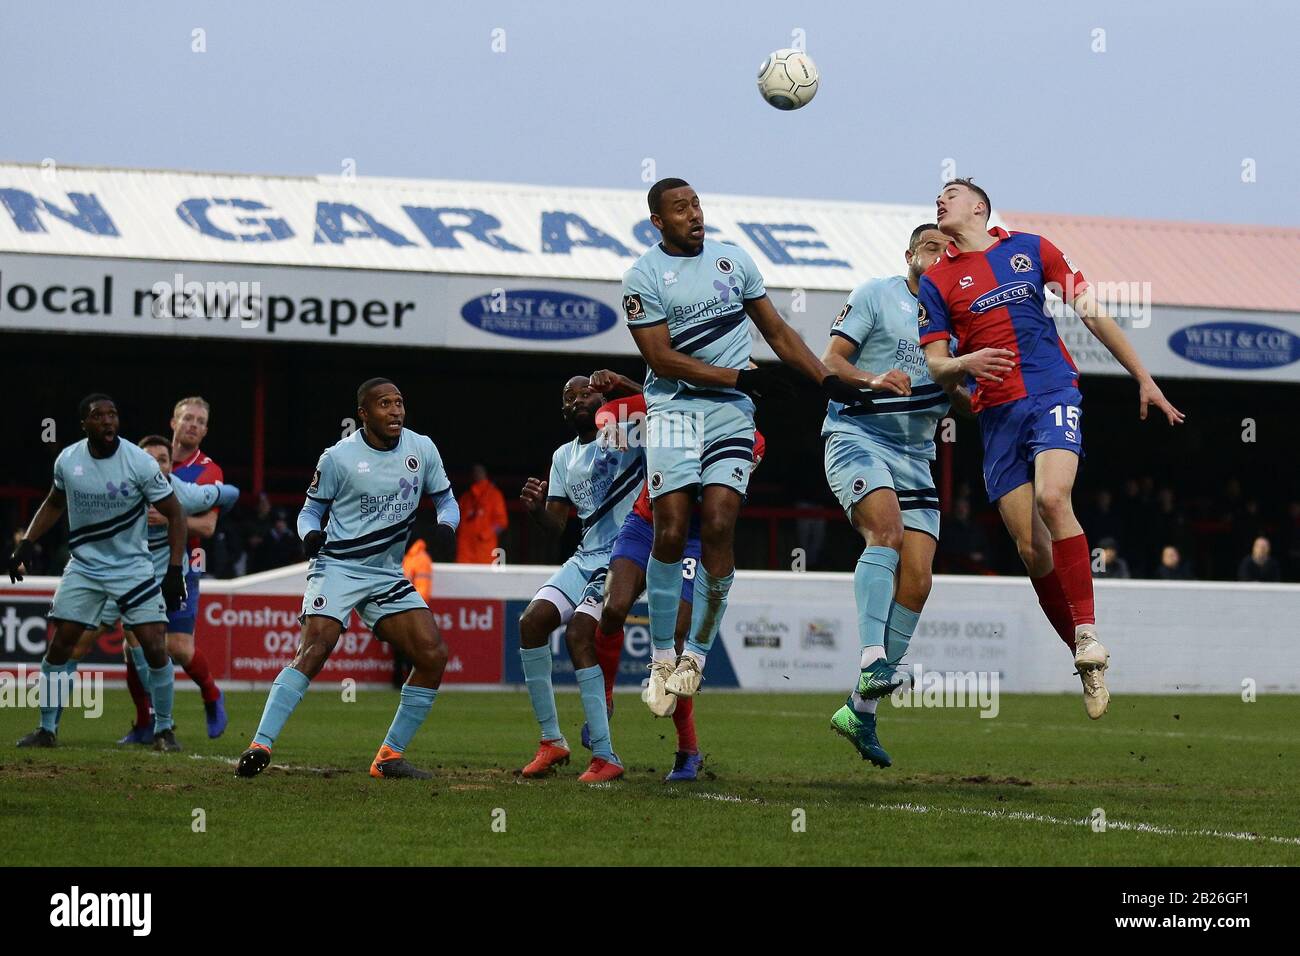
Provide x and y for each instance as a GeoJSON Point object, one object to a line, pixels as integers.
{"type": "Point", "coordinates": [1181, 780]}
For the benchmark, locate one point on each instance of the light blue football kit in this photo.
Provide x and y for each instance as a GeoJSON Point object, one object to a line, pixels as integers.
{"type": "Point", "coordinates": [888, 443]}
{"type": "Point", "coordinates": [602, 480]}
{"type": "Point", "coordinates": [372, 495]}
{"type": "Point", "coordinates": [694, 435]}
{"type": "Point", "coordinates": [194, 500]}
{"type": "Point", "coordinates": [107, 503]}
{"type": "Point", "coordinates": [108, 499]}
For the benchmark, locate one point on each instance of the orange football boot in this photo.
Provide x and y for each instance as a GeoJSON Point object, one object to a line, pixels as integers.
{"type": "Point", "coordinates": [550, 754]}
{"type": "Point", "coordinates": [390, 764]}
{"type": "Point", "coordinates": [601, 770]}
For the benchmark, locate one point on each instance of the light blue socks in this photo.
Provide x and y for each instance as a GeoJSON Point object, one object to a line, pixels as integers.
{"type": "Point", "coordinates": [411, 711]}
{"type": "Point", "coordinates": [663, 587]}
{"type": "Point", "coordinates": [707, 609]}
{"type": "Point", "coordinates": [873, 587]}
{"type": "Point", "coordinates": [286, 694]}
{"type": "Point", "coordinates": [591, 684]}
{"type": "Point", "coordinates": [537, 677]}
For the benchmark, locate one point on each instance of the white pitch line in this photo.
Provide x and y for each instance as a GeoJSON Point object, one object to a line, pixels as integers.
{"type": "Point", "coordinates": [1028, 816]}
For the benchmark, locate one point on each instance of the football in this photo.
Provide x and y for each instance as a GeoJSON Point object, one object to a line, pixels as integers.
{"type": "Point", "coordinates": [788, 79]}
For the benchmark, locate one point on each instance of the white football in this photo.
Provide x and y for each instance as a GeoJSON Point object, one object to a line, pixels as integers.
{"type": "Point", "coordinates": [788, 79]}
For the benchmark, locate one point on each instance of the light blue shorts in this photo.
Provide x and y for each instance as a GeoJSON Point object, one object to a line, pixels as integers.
{"type": "Point", "coordinates": [700, 441]}
{"type": "Point", "coordinates": [857, 466]}
{"type": "Point", "coordinates": [579, 585]}
{"type": "Point", "coordinates": [82, 596]}
{"type": "Point", "coordinates": [336, 588]}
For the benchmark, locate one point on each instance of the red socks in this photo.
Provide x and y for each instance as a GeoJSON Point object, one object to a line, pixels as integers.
{"type": "Point", "coordinates": [143, 711]}
{"type": "Point", "coordinates": [1074, 569]}
{"type": "Point", "coordinates": [684, 720]}
{"type": "Point", "coordinates": [197, 668]}
{"type": "Point", "coordinates": [1053, 601]}
{"type": "Point", "coordinates": [609, 648]}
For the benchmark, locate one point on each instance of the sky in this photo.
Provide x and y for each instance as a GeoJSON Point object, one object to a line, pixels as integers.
{"type": "Point", "coordinates": [1137, 108]}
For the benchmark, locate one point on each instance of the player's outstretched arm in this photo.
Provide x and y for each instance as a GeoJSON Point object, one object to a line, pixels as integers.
{"type": "Point", "coordinates": [614, 385]}
{"type": "Point", "coordinates": [794, 352]}
{"type": "Point", "coordinates": [656, 348]}
{"type": "Point", "coordinates": [986, 365]}
{"type": "Point", "coordinates": [1109, 334]}
{"type": "Point", "coordinates": [46, 517]}
{"type": "Point", "coordinates": [838, 357]}
{"type": "Point", "coordinates": [551, 514]}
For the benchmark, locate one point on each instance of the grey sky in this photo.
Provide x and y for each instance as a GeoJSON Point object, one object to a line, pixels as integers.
{"type": "Point", "coordinates": [1156, 126]}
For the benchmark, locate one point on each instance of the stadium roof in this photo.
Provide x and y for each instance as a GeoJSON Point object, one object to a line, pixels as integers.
{"type": "Point", "coordinates": [496, 229]}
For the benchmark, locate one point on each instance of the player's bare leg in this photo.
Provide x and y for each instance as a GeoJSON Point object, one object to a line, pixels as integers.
{"type": "Point", "coordinates": [719, 509]}
{"type": "Point", "coordinates": [415, 635]}
{"type": "Point", "coordinates": [320, 635]}
{"type": "Point", "coordinates": [1054, 474]}
{"type": "Point", "coordinates": [1048, 537]}
{"type": "Point", "coordinates": [672, 515]}
{"type": "Point", "coordinates": [536, 625]}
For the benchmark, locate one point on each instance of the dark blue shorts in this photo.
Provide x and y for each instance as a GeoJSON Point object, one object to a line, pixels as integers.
{"type": "Point", "coordinates": [1015, 433]}
{"type": "Point", "coordinates": [637, 536]}
{"type": "Point", "coordinates": [182, 620]}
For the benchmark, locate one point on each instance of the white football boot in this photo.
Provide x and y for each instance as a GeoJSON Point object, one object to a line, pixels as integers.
{"type": "Point", "coordinates": [685, 680]}
{"type": "Point", "coordinates": [1091, 660]}
{"type": "Point", "coordinates": [656, 697]}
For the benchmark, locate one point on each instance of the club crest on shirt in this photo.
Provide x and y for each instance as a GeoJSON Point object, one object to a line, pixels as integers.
{"type": "Point", "coordinates": [412, 463]}
{"type": "Point", "coordinates": [844, 314]}
{"type": "Point", "coordinates": [725, 266]}
{"type": "Point", "coordinates": [315, 480]}
{"type": "Point", "coordinates": [922, 317]}
{"type": "Point", "coordinates": [1021, 263]}
{"type": "Point", "coordinates": [632, 306]}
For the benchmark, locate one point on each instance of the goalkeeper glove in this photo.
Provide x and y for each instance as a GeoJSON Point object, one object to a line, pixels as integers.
{"type": "Point", "coordinates": [173, 588]}
{"type": "Point", "coordinates": [312, 544]}
{"type": "Point", "coordinates": [22, 557]}
{"type": "Point", "coordinates": [763, 383]}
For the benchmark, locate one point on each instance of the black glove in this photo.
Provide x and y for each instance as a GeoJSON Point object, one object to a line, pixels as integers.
{"type": "Point", "coordinates": [444, 540]}
{"type": "Point", "coordinates": [841, 391]}
{"type": "Point", "coordinates": [173, 588]}
{"type": "Point", "coordinates": [312, 544]}
{"type": "Point", "coordinates": [22, 556]}
{"type": "Point", "coordinates": [763, 383]}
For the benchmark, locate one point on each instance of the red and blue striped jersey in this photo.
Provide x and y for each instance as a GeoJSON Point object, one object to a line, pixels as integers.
{"type": "Point", "coordinates": [995, 299]}
{"type": "Point", "coordinates": [198, 469]}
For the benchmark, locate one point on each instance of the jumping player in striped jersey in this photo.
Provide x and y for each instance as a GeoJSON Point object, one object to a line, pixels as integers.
{"type": "Point", "coordinates": [988, 292]}
{"type": "Point", "coordinates": [878, 465]}
{"type": "Point", "coordinates": [600, 480]}
{"type": "Point", "coordinates": [370, 484]}
{"type": "Point", "coordinates": [626, 583]}
{"type": "Point", "coordinates": [106, 486]}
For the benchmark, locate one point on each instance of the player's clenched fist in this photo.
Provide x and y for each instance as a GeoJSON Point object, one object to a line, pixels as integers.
{"type": "Point", "coordinates": [20, 560]}
{"type": "Point", "coordinates": [312, 544]}
{"type": "Point", "coordinates": [603, 380]}
{"type": "Point", "coordinates": [989, 365]}
{"type": "Point", "coordinates": [534, 494]}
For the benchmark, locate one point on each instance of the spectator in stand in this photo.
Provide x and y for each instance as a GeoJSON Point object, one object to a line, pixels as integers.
{"type": "Point", "coordinates": [482, 519]}
{"type": "Point", "coordinates": [1113, 566]}
{"type": "Point", "coordinates": [418, 568]}
{"type": "Point", "coordinates": [962, 542]}
{"type": "Point", "coordinates": [1101, 521]}
{"type": "Point", "coordinates": [1172, 566]}
{"type": "Point", "coordinates": [280, 546]}
{"type": "Point", "coordinates": [1259, 565]}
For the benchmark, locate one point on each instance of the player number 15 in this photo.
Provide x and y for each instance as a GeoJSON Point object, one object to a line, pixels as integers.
{"type": "Point", "coordinates": [1066, 415]}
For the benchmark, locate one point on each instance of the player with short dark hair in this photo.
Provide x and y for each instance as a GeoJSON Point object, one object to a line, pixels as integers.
{"type": "Point", "coordinates": [599, 479]}
{"type": "Point", "coordinates": [878, 465]}
{"type": "Point", "coordinates": [370, 485]}
{"type": "Point", "coordinates": [988, 291]}
{"type": "Point", "coordinates": [106, 485]}
{"type": "Point", "coordinates": [689, 301]}
{"type": "Point", "coordinates": [200, 504]}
